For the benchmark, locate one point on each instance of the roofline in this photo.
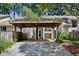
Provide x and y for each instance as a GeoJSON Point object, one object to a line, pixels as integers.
{"type": "Point", "coordinates": [60, 17]}
{"type": "Point", "coordinates": [4, 16]}
{"type": "Point", "coordinates": [48, 17]}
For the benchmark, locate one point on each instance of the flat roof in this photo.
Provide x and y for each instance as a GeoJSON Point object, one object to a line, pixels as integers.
{"type": "Point", "coordinates": [47, 18]}
{"type": "Point", "coordinates": [36, 21]}
{"type": "Point", "coordinates": [53, 17]}
{"type": "Point", "coordinates": [40, 23]}
{"type": "Point", "coordinates": [4, 20]}
{"type": "Point", "coordinates": [3, 16]}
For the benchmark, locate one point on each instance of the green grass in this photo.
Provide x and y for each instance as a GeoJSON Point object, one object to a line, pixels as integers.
{"type": "Point", "coordinates": [75, 42]}
{"type": "Point", "coordinates": [4, 44]}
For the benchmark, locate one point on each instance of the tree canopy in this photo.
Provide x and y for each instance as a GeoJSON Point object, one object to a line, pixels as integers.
{"type": "Point", "coordinates": [42, 8]}
{"type": "Point", "coordinates": [29, 14]}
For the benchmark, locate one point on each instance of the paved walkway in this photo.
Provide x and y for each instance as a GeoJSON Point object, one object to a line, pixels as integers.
{"type": "Point", "coordinates": [36, 49]}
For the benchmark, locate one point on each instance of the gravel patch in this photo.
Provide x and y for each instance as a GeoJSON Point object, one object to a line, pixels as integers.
{"type": "Point", "coordinates": [36, 49]}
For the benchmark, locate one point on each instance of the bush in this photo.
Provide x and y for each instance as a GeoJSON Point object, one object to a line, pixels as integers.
{"type": "Point", "coordinates": [75, 42]}
{"type": "Point", "coordinates": [74, 39]}
{"type": "Point", "coordinates": [4, 44]}
{"type": "Point", "coordinates": [62, 36]}
{"type": "Point", "coordinates": [59, 40]}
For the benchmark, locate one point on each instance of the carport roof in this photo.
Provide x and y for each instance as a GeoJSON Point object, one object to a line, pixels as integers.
{"type": "Point", "coordinates": [36, 23]}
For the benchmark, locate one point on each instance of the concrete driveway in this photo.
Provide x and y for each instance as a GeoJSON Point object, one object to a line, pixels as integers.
{"type": "Point", "coordinates": [36, 49]}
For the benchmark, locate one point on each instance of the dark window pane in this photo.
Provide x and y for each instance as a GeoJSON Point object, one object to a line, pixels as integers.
{"type": "Point", "coordinates": [48, 29]}
{"type": "Point", "coordinates": [3, 28]}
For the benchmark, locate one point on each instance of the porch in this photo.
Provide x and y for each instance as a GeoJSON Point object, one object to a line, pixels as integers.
{"type": "Point", "coordinates": [33, 24]}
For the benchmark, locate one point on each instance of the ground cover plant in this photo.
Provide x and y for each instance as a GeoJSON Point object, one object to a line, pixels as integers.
{"type": "Point", "coordinates": [62, 36]}
{"type": "Point", "coordinates": [4, 44]}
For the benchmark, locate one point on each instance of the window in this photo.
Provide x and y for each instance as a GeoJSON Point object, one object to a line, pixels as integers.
{"type": "Point", "coordinates": [67, 20]}
{"type": "Point", "coordinates": [48, 29]}
{"type": "Point", "coordinates": [3, 28]}
{"type": "Point", "coordinates": [40, 34]}
{"type": "Point", "coordinates": [74, 23]}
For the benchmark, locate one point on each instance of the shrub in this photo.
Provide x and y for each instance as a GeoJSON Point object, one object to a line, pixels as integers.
{"type": "Point", "coordinates": [74, 39]}
{"type": "Point", "coordinates": [59, 40]}
{"type": "Point", "coordinates": [62, 36]}
{"type": "Point", "coordinates": [4, 44]}
{"type": "Point", "coordinates": [75, 42]}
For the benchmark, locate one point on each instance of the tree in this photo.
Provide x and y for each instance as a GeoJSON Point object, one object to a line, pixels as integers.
{"type": "Point", "coordinates": [60, 9]}
{"type": "Point", "coordinates": [42, 8]}
{"type": "Point", "coordinates": [13, 7]}
{"type": "Point", "coordinates": [4, 7]}
{"type": "Point", "coordinates": [29, 14]}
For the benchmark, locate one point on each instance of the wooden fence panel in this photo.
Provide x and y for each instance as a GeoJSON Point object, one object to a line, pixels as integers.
{"type": "Point", "coordinates": [7, 35]}
{"type": "Point", "coordinates": [74, 35]}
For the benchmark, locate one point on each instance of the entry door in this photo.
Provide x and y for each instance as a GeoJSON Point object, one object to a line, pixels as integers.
{"type": "Point", "coordinates": [40, 34]}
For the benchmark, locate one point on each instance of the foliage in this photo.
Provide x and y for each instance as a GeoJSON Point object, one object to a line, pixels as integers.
{"type": "Point", "coordinates": [62, 36]}
{"type": "Point", "coordinates": [75, 42]}
{"type": "Point", "coordinates": [59, 41]}
{"type": "Point", "coordinates": [4, 44]}
{"type": "Point", "coordinates": [29, 14]}
{"type": "Point", "coordinates": [39, 8]}
{"type": "Point", "coordinates": [74, 39]}
{"type": "Point", "coordinates": [4, 8]}
{"type": "Point", "coordinates": [60, 9]}
{"type": "Point", "coordinates": [74, 23]}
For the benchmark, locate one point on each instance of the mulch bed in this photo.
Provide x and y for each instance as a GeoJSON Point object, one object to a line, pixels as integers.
{"type": "Point", "coordinates": [73, 49]}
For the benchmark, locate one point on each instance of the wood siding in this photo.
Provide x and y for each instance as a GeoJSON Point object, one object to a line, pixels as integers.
{"type": "Point", "coordinates": [7, 35]}
{"type": "Point", "coordinates": [73, 35]}
{"type": "Point", "coordinates": [48, 35]}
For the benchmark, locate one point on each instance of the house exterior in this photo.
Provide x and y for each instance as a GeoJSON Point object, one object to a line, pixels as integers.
{"type": "Point", "coordinates": [47, 28]}
{"type": "Point", "coordinates": [36, 30]}
{"type": "Point", "coordinates": [5, 27]}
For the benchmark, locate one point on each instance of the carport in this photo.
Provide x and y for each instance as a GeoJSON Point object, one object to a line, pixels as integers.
{"type": "Point", "coordinates": [36, 24]}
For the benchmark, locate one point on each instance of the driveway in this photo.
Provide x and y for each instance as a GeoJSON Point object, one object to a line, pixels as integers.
{"type": "Point", "coordinates": [36, 49]}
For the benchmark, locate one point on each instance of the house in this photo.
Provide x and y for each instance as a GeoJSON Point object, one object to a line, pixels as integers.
{"type": "Point", "coordinates": [44, 29]}
{"type": "Point", "coordinates": [68, 23]}
{"type": "Point", "coordinates": [5, 27]}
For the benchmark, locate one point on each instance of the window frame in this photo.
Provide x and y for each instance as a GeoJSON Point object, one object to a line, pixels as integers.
{"type": "Point", "coordinates": [3, 28]}
{"type": "Point", "coordinates": [48, 29]}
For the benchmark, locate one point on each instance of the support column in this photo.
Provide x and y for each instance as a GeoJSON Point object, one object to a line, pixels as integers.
{"type": "Point", "coordinates": [53, 33]}
{"type": "Point", "coordinates": [20, 34]}
{"type": "Point", "coordinates": [57, 32]}
{"type": "Point", "coordinates": [36, 33]}
{"type": "Point", "coordinates": [14, 33]}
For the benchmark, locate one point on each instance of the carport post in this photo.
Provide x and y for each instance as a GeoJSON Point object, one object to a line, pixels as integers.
{"type": "Point", "coordinates": [36, 33]}
{"type": "Point", "coordinates": [53, 32]}
{"type": "Point", "coordinates": [56, 32]}
{"type": "Point", "coordinates": [14, 33]}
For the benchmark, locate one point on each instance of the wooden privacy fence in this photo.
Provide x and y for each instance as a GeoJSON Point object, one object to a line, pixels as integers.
{"type": "Point", "coordinates": [6, 35]}
{"type": "Point", "coordinates": [73, 35]}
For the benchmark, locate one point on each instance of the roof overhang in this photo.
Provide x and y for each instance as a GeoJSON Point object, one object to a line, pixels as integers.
{"type": "Point", "coordinates": [42, 23]}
